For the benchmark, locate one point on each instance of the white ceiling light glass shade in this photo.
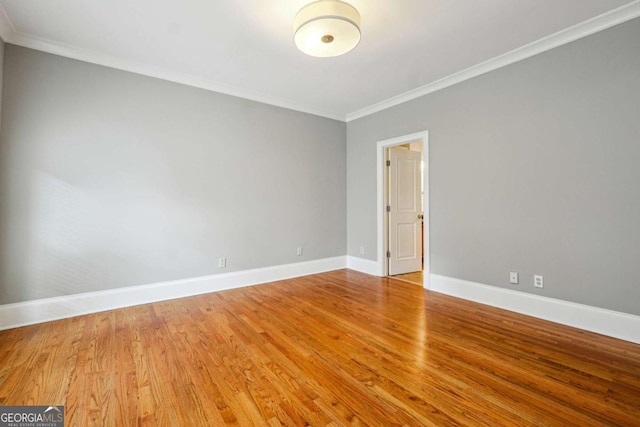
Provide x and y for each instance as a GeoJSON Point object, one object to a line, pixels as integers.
{"type": "Point", "coordinates": [327, 28]}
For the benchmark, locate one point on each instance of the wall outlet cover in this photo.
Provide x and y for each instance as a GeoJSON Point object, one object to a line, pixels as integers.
{"type": "Point", "coordinates": [513, 277]}
{"type": "Point", "coordinates": [538, 281]}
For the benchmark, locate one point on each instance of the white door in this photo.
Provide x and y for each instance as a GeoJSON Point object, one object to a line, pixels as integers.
{"type": "Point", "coordinates": [405, 211]}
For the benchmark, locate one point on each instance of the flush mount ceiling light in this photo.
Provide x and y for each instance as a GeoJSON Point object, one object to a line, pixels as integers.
{"type": "Point", "coordinates": [327, 28]}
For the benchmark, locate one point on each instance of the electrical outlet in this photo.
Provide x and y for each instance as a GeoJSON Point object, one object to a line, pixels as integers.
{"type": "Point", "coordinates": [361, 250]}
{"type": "Point", "coordinates": [538, 281]}
{"type": "Point", "coordinates": [513, 277]}
{"type": "Point", "coordinates": [299, 251]}
{"type": "Point", "coordinates": [222, 262]}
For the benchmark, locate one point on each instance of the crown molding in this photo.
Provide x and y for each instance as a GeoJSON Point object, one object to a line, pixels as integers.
{"type": "Point", "coordinates": [609, 19]}
{"type": "Point", "coordinates": [568, 35]}
{"type": "Point", "coordinates": [6, 26]}
{"type": "Point", "coordinates": [85, 55]}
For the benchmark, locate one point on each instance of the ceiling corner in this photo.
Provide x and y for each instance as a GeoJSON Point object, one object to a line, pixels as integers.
{"type": "Point", "coordinates": [6, 26]}
{"type": "Point", "coordinates": [596, 24]}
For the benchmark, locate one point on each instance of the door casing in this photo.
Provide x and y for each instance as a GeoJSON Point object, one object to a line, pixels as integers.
{"type": "Point", "coordinates": [382, 227]}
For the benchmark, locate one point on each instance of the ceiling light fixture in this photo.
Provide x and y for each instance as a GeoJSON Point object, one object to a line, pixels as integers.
{"type": "Point", "coordinates": [327, 28]}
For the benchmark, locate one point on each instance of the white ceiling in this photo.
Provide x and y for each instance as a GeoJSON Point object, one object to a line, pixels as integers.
{"type": "Point", "coordinates": [245, 47]}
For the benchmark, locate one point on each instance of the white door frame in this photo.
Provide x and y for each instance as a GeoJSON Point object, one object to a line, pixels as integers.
{"type": "Point", "coordinates": [381, 204]}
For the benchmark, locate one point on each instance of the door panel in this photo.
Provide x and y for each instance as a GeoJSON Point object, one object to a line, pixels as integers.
{"type": "Point", "coordinates": [406, 241]}
{"type": "Point", "coordinates": [405, 235]}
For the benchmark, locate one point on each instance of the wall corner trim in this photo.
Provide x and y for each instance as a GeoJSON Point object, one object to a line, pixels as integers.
{"type": "Point", "coordinates": [606, 322]}
{"type": "Point", "coordinates": [49, 309]}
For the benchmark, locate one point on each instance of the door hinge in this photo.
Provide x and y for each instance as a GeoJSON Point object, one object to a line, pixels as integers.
{"type": "Point", "coordinates": [388, 254]}
{"type": "Point", "coordinates": [388, 162]}
{"type": "Point", "coordinates": [388, 208]}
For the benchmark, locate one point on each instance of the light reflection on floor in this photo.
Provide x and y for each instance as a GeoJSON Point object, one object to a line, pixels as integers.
{"type": "Point", "coordinates": [415, 277]}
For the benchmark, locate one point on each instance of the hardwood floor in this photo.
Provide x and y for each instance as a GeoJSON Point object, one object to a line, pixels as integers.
{"type": "Point", "coordinates": [339, 348]}
{"type": "Point", "coordinates": [416, 277]}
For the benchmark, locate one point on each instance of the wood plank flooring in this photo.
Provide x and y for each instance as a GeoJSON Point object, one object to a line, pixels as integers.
{"type": "Point", "coordinates": [416, 277]}
{"type": "Point", "coordinates": [333, 349]}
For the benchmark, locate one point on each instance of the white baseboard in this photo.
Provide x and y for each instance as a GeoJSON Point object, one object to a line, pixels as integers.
{"type": "Point", "coordinates": [606, 322]}
{"type": "Point", "coordinates": [363, 265]}
{"type": "Point", "coordinates": [48, 309]}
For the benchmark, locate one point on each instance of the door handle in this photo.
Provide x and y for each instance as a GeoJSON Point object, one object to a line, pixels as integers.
{"type": "Point", "coordinates": [420, 216]}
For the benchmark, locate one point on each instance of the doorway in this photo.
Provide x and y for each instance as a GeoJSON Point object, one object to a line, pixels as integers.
{"type": "Point", "coordinates": [403, 207]}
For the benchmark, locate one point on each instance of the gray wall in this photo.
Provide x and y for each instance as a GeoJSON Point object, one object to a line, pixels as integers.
{"type": "Point", "coordinates": [535, 168]}
{"type": "Point", "coordinates": [111, 179]}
